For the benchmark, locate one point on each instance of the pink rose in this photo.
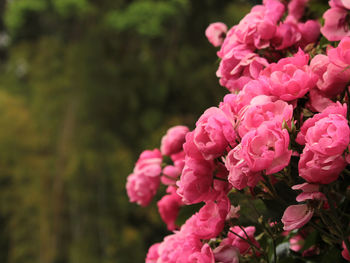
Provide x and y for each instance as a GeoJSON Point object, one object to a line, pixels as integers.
{"type": "Point", "coordinates": [235, 75]}
{"type": "Point", "coordinates": [336, 25]}
{"type": "Point", "coordinates": [152, 255]}
{"type": "Point", "coordinates": [262, 109]}
{"type": "Point", "coordinates": [240, 176]}
{"type": "Point", "coordinates": [329, 136]}
{"type": "Point", "coordinates": [320, 169]}
{"type": "Point", "coordinates": [310, 191]}
{"type": "Point", "coordinates": [332, 78]}
{"type": "Point", "coordinates": [290, 78]}
{"type": "Point", "coordinates": [215, 33]}
{"type": "Point", "coordinates": [296, 216]}
{"type": "Point", "coordinates": [210, 220]}
{"type": "Point", "coordinates": [243, 246]}
{"type": "Point", "coordinates": [214, 133]}
{"type": "Point", "coordinates": [266, 148]}
{"type": "Point", "coordinates": [259, 26]}
{"type": "Point", "coordinates": [149, 163]}
{"type": "Point", "coordinates": [169, 207]}
{"type": "Point", "coordinates": [233, 103]}
{"type": "Point", "coordinates": [141, 188]}
{"type": "Point", "coordinates": [143, 183]}
{"type": "Point", "coordinates": [336, 108]}
{"type": "Point", "coordinates": [173, 140]}
{"type": "Point", "coordinates": [195, 184]}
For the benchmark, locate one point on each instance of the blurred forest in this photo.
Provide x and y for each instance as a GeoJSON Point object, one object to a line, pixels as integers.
{"type": "Point", "coordinates": [85, 85]}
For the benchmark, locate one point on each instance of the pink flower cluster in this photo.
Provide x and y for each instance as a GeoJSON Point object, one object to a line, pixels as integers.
{"type": "Point", "coordinates": [284, 122]}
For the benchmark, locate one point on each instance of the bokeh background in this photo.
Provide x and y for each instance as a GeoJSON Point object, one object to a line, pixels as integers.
{"type": "Point", "coordinates": [85, 86]}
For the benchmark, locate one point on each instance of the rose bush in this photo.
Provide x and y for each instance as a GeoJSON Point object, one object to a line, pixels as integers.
{"type": "Point", "coordinates": [277, 146]}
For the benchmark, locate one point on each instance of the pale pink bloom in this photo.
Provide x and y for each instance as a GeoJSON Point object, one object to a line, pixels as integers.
{"type": "Point", "coordinates": [262, 109]}
{"type": "Point", "coordinates": [243, 246]}
{"type": "Point", "coordinates": [141, 188]}
{"type": "Point", "coordinates": [310, 191]}
{"type": "Point", "coordinates": [266, 148]}
{"type": "Point", "coordinates": [152, 255]}
{"type": "Point", "coordinates": [173, 140]}
{"type": "Point", "coordinates": [336, 108]}
{"type": "Point", "coordinates": [240, 175]}
{"type": "Point", "coordinates": [329, 136]}
{"type": "Point", "coordinates": [345, 252]}
{"type": "Point", "coordinates": [226, 253]}
{"type": "Point", "coordinates": [290, 78]}
{"type": "Point", "coordinates": [296, 242]}
{"type": "Point", "coordinates": [215, 33]}
{"type": "Point", "coordinates": [259, 26]}
{"type": "Point", "coordinates": [169, 207]}
{"type": "Point", "coordinates": [320, 169]}
{"type": "Point", "coordinates": [296, 216]}
{"type": "Point", "coordinates": [195, 184]}
{"type": "Point", "coordinates": [336, 26]}
{"type": "Point", "coordinates": [214, 133]}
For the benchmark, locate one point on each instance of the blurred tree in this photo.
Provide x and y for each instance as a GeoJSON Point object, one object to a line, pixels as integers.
{"type": "Point", "coordinates": [86, 85]}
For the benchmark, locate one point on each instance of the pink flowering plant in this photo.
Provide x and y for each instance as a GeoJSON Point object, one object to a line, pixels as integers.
{"type": "Point", "coordinates": [269, 166]}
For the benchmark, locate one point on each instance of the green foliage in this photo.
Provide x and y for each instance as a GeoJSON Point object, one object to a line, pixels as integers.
{"type": "Point", "coordinates": [17, 11]}
{"type": "Point", "coordinates": [147, 18]}
{"type": "Point", "coordinates": [71, 7]}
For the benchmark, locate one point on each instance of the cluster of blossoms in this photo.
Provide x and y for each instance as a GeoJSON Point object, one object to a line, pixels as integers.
{"type": "Point", "coordinates": [282, 129]}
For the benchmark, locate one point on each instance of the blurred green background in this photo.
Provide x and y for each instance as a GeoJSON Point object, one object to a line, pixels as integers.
{"type": "Point", "coordinates": [85, 86]}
